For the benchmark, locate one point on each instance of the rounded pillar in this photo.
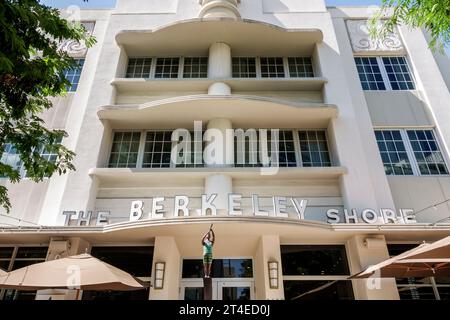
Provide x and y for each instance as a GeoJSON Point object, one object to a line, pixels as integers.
{"type": "Point", "coordinates": [219, 64]}
{"type": "Point", "coordinates": [219, 89]}
{"type": "Point", "coordinates": [219, 9]}
{"type": "Point", "coordinates": [219, 151]}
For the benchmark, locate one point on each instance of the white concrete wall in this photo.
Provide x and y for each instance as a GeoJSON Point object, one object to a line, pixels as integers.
{"type": "Point", "coordinates": [398, 109]}
{"type": "Point", "coordinates": [166, 250]}
{"type": "Point", "coordinates": [421, 194]}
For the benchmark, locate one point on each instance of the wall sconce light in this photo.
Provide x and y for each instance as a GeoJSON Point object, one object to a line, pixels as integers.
{"type": "Point", "coordinates": [273, 274]}
{"type": "Point", "coordinates": [159, 274]}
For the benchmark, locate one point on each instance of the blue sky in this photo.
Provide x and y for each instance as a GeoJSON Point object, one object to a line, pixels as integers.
{"type": "Point", "coordinates": [110, 4]}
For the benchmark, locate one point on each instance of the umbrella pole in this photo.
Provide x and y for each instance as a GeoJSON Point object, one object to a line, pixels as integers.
{"type": "Point", "coordinates": [78, 294]}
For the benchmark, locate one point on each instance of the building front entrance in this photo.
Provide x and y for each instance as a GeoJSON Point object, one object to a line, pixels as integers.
{"type": "Point", "coordinates": [232, 279]}
{"type": "Point", "coordinates": [222, 289]}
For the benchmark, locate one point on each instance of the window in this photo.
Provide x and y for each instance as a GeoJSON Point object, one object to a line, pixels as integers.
{"type": "Point", "coordinates": [398, 73]}
{"type": "Point", "coordinates": [370, 73]}
{"type": "Point", "coordinates": [248, 152]}
{"type": "Point", "coordinates": [309, 267]}
{"type": "Point", "coordinates": [73, 75]}
{"type": "Point", "coordinates": [408, 152]}
{"type": "Point", "coordinates": [135, 260]}
{"type": "Point", "coordinates": [167, 67]}
{"type": "Point", "coordinates": [221, 268]}
{"type": "Point", "coordinates": [300, 67]}
{"type": "Point", "coordinates": [125, 148]}
{"type": "Point", "coordinates": [384, 73]}
{"type": "Point", "coordinates": [314, 149]}
{"type": "Point", "coordinates": [139, 68]}
{"type": "Point", "coordinates": [12, 158]}
{"type": "Point", "coordinates": [195, 67]}
{"type": "Point", "coordinates": [426, 151]}
{"type": "Point", "coordinates": [155, 149]}
{"type": "Point", "coordinates": [272, 67]}
{"type": "Point", "coordinates": [12, 258]}
{"type": "Point", "coordinates": [429, 288]}
{"type": "Point", "coordinates": [244, 67]}
{"type": "Point", "coordinates": [393, 152]}
{"type": "Point", "coordinates": [158, 148]}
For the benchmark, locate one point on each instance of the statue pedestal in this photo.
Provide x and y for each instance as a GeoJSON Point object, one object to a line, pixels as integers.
{"type": "Point", "coordinates": [207, 289]}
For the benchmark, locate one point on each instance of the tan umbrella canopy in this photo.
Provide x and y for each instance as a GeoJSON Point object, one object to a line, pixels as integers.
{"type": "Point", "coordinates": [427, 260]}
{"type": "Point", "coordinates": [3, 273]}
{"type": "Point", "coordinates": [82, 272]}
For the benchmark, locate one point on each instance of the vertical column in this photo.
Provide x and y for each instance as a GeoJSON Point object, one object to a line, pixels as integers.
{"type": "Point", "coordinates": [219, 153]}
{"type": "Point", "coordinates": [61, 248]}
{"type": "Point", "coordinates": [219, 67]}
{"type": "Point", "coordinates": [166, 250]}
{"type": "Point", "coordinates": [268, 250]}
{"type": "Point", "coordinates": [351, 134]}
{"type": "Point", "coordinates": [363, 254]}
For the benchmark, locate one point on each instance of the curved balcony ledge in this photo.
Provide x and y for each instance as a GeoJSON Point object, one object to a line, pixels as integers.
{"type": "Point", "coordinates": [239, 84]}
{"type": "Point", "coordinates": [244, 111]}
{"type": "Point", "coordinates": [177, 176]}
{"type": "Point", "coordinates": [246, 37]}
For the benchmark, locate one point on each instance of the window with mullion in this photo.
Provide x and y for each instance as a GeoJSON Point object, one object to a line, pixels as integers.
{"type": "Point", "coordinates": [369, 73]}
{"type": "Point", "coordinates": [393, 152]}
{"type": "Point", "coordinates": [73, 75]}
{"type": "Point", "coordinates": [398, 73]}
{"type": "Point", "coordinates": [244, 67]}
{"type": "Point", "coordinates": [167, 68]}
{"type": "Point", "coordinates": [195, 67]}
{"type": "Point", "coordinates": [125, 149]}
{"type": "Point", "coordinates": [249, 154]}
{"type": "Point", "coordinates": [427, 153]}
{"type": "Point", "coordinates": [300, 67]}
{"type": "Point", "coordinates": [314, 148]}
{"type": "Point", "coordinates": [139, 68]}
{"type": "Point", "coordinates": [158, 148]}
{"type": "Point", "coordinates": [272, 67]}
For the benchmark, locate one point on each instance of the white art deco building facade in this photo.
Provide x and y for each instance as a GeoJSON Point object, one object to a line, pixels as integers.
{"type": "Point", "coordinates": [314, 150]}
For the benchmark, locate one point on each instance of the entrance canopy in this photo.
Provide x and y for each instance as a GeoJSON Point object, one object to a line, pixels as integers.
{"type": "Point", "coordinates": [427, 260]}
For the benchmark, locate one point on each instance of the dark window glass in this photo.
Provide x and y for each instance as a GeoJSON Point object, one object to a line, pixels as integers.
{"type": "Point", "coordinates": [139, 68]}
{"type": "Point", "coordinates": [340, 290]}
{"type": "Point", "coordinates": [221, 268]}
{"type": "Point", "coordinates": [300, 67]}
{"type": "Point", "coordinates": [369, 73]}
{"type": "Point", "coordinates": [393, 152]}
{"type": "Point", "coordinates": [235, 293]}
{"type": "Point", "coordinates": [314, 260]}
{"type": "Point", "coordinates": [6, 253]}
{"type": "Point", "coordinates": [195, 67]}
{"type": "Point", "coordinates": [116, 295]}
{"type": "Point", "coordinates": [398, 73]}
{"type": "Point", "coordinates": [244, 67]}
{"type": "Point", "coordinates": [167, 67]}
{"type": "Point", "coordinates": [272, 67]}
{"type": "Point", "coordinates": [193, 293]}
{"type": "Point", "coordinates": [134, 260]}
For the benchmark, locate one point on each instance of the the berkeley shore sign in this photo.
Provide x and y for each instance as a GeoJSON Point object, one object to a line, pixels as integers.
{"type": "Point", "coordinates": [155, 209]}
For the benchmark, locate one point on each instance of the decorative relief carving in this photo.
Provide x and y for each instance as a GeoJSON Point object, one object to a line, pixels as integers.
{"type": "Point", "coordinates": [361, 40]}
{"type": "Point", "coordinates": [74, 48]}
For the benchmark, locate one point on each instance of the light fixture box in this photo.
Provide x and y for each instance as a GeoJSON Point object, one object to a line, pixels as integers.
{"type": "Point", "coordinates": [273, 274]}
{"type": "Point", "coordinates": [159, 275]}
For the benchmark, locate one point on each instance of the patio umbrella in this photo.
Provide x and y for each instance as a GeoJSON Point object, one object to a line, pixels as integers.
{"type": "Point", "coordinates": [426, 260]}
{"type": "Point", "coordinates": [81, 272]}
